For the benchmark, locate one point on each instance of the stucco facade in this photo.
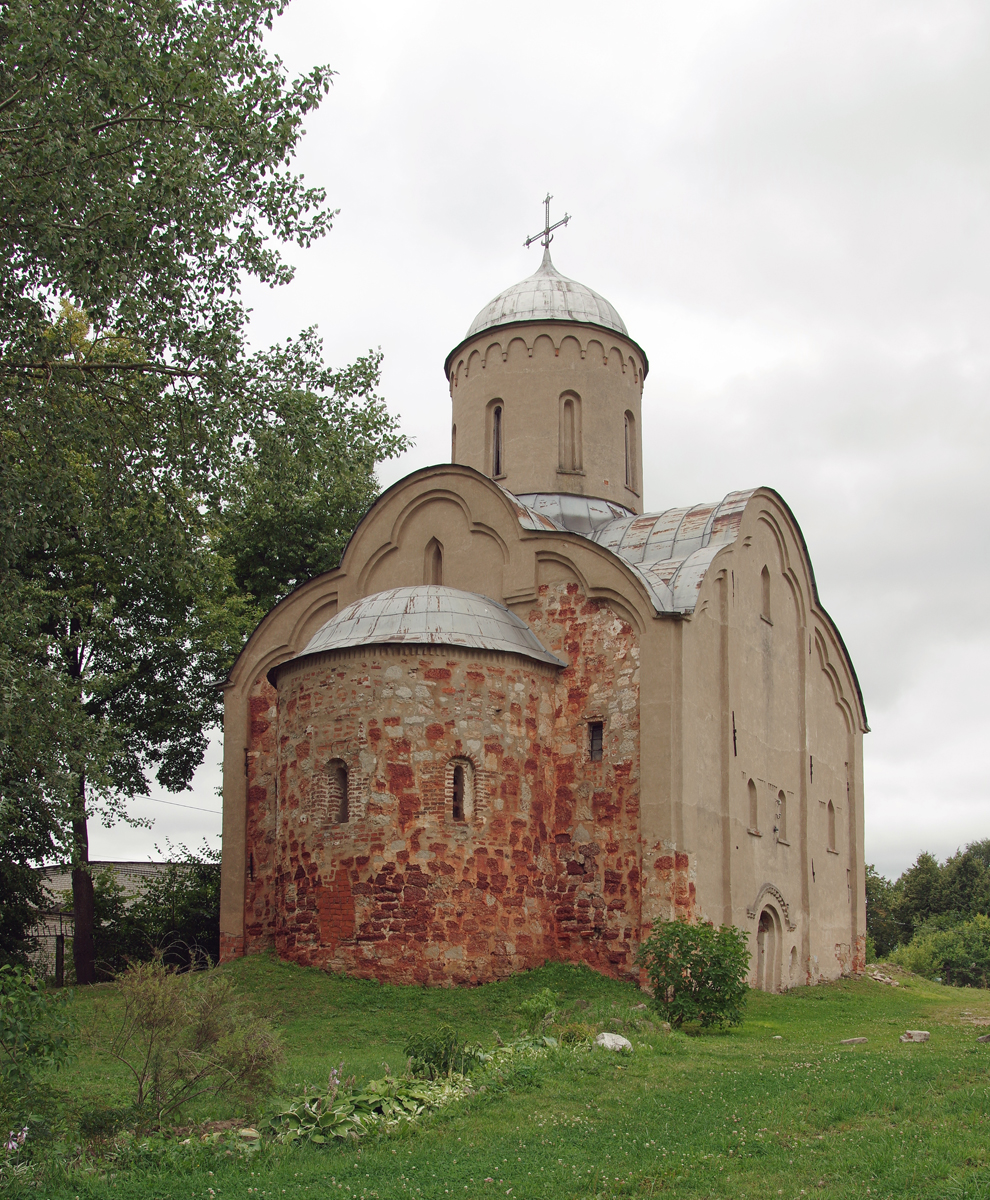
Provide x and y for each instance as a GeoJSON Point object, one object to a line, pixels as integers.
{"type": "Point", "coordinates": [691, 744]}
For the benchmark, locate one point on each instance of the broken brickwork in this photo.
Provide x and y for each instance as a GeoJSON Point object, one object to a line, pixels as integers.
{"type": "Point", "coordinates": [545, 861]}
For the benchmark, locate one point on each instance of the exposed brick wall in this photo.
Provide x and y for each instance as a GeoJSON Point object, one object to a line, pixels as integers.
{"type": "Point", "coordinates": [547, 862]}
{"type": "Point", "coordinates": [261, 767]}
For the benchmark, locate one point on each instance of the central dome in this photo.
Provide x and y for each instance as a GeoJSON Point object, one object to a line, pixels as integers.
{"type": "Point", "coordinates": [548, 296]}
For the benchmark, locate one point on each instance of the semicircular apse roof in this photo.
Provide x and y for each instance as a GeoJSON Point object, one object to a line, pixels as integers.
{"type": "Point", "coordinates": [548, 296]}
{"type": "Point", "coordinates": [427, 615]}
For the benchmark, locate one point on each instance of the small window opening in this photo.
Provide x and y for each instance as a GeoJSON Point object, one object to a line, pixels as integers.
{"type": "Point", "coordinates": [782, 817]}
{"type": "Point", "coordinates": [765, 581]}
{"type": "Point", "coordinates": [570, 434]}
{"type": "Point", "coordinates": [457, 800]}
{"type": "Point", "coordinates": [434, 563]}
{"type": "Point", "coordinates": [754, 807]}
{"type": "Point", "coordinates": [335, 789]}
{"type": "Point", "coordinates": [596, 732]}
{"type": "Point", "coordinates": [831, 825]}
{"type": "Point", "coordinates": [460, 789]}
{"type": "Point", "coordinates": [453, 443]}
{"type": "Point", "coordinates": [629, 447]}
{"type": "Point", "coordinates": [497, 441]}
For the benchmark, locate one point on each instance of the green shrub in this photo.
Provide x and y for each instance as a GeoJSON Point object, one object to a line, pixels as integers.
{"type": "Point", "coordinates": [539, 1009]}
{"type": "Point", "coordinates": [575, 1033]}
{"type": "Point", "coordinates": [698, 972]}
{"type": "Point", "coordinates": [183, 1036]}
{"type": "Point", "coordinates": [34, 1026]}
{"type": "Point", "coordinates": [443, 1052]}
{"type": "Point", "coordinates": [350, 1113]}
{"type": "Point", "coordinates": [959, 954]}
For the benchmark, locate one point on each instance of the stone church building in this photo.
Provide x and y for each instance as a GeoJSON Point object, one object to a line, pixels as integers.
{"type": "Point", "coordinates": [523, 718]}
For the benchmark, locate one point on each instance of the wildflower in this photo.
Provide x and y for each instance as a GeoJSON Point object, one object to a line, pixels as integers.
{"type": "Point", "coordinates": [16, 1140]}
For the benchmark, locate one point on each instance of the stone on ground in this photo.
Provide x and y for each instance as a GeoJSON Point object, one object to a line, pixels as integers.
{"type": "Point", "coordinates": [852, 1041]}
{"type": "Point", "coordinates": [613, 1041]}
{"type": "Point", "coordinates": [915, 1035]}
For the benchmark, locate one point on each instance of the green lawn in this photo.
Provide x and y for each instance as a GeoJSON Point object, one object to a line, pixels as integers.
{"type": "Point", "coordinates": [776, 1107]}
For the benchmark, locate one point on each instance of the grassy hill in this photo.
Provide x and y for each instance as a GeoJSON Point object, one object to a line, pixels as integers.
{"type": "Point", "coordinates": [777, 1107]}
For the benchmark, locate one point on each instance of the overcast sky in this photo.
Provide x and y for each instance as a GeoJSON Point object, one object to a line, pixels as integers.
{"type": "Point", "coordinates": [788, 204]}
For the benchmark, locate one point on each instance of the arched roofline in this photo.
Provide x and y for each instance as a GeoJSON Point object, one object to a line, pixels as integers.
{"type": "Point", "coordinates": [318, 582]}
{"type": "Point", "coordinates": [819, 608]}
{"type": "Point", "coordinates": [494, 329]}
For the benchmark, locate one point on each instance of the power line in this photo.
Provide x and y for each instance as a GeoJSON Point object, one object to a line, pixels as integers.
{"type": "Point", "coordinates": [195, 807]}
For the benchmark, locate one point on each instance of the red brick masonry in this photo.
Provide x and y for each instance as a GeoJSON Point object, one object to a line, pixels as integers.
{"type": "Point", "coordinates": [547, 861]}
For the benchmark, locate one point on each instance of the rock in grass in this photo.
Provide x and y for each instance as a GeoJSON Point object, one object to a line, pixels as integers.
{"type": "Point", "coordinates": [613, 1041]}
{"type": "Point", "coordinates": [916, 1035]}
{"type": "Point", "coordinates": [852, 1041]}
{"type": "Point", "coordinates": [985, 1038]}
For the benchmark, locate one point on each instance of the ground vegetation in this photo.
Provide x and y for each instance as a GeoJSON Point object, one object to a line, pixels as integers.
{"type": "Point", "coordinates": [774, 1106]}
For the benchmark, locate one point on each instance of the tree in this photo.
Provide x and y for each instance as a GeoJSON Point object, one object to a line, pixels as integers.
{"type": "Point", "coordinates": [881, 901]}
{"type": "Point", "coordinates": [919, 892]}
{"type": "Point", "coordinates": [145, 154]}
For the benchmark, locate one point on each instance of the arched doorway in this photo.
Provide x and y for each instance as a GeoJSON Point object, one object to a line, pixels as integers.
{"type": "Point", "coordinates": [768, 939]}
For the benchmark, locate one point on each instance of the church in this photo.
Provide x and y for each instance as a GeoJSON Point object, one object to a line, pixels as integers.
{"type": "Point", "coordinates": [524, 719]}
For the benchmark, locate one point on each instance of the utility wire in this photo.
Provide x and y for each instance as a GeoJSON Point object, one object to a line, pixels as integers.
{"type": "Point", "coordinates": [195, 807]}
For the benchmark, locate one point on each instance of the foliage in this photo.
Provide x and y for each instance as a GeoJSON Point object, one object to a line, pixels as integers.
{"type": "Point", "coordinates": [34, 1028]}
{"type": "Point", "coordinates": [951, 892]}
{"type": "Point", "coordinates": [698, 972]}
{"type": "Point", "coordinates": [952, 952]}
{"type": "Point", "coordinates": [353, 1112]}
{"type": "Point", "coordinates": [185, 1036]}
{"type": "Point", "coordinates": [441, 1053]}
{"type": "Point", "coordinates": [881, 902]}
{"type": "Point", "coordinates": [575, 1033]}
{"type": "Point", "coordinates": [179, 910]}
{"type": "Point", "coordinates": [539, 1009]}
{"type": "Point", "coordinates": [152, 467]}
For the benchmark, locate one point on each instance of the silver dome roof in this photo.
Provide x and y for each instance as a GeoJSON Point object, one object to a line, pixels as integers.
{"type": "Point", "coordinates": [548, 296]}
{"type": "Point", "coordinates": [429, 615]}
{"type": "Point", "coordinates": [670, 551]}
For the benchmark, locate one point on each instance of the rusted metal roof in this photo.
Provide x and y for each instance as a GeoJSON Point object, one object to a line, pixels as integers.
{"type": "Point", "coordinates": [671, 551]}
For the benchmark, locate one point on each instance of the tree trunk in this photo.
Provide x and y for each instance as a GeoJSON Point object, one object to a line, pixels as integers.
{"type": "Point", "coordinates": [83, 912]}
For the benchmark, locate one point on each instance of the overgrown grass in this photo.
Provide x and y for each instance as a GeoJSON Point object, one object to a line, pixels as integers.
{"type": "Point", "coordinates": [775, 1107]}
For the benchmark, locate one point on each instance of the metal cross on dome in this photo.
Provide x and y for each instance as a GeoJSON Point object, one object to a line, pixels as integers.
{"type": "Point", "coordinates": [545, 236]}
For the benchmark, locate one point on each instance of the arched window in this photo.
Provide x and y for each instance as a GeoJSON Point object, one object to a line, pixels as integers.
{"type": "Point", "coordinates": [453, 443]}
{"type": "Point", "coordinates": [497, 454]}
{"type": "Point", "coordinates": [765, 583]}
{"type": "Point", "coordinates": [781, 817]}
{"type": "Point", "coordinates": [457, 789]}
{"type": "Point", "coordinates": [831, 825]}
{"type": "Point", "coordinates": [433, 572]}
{"type": "Point", "coordinates": [629, 448]}
{"type": "Point", "coordinates": [460, 789]}
{"type": "Point", "coordinates": [570, 433]}
{"type": "Point", "coordinates": [330, 792]}
{"type": "Point", "coordinates": [754, 808]}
